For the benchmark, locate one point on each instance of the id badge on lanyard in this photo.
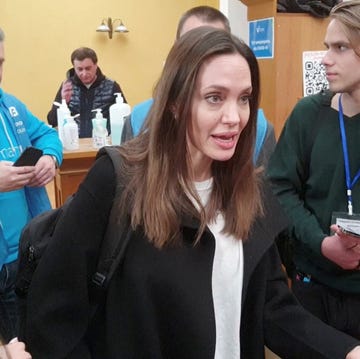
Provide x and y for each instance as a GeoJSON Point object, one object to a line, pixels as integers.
{"type": "Point", "coordinates": [347, 220]}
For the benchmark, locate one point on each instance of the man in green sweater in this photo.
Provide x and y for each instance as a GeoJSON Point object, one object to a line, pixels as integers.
{"type": "Point", "coordinates": [315, 172]}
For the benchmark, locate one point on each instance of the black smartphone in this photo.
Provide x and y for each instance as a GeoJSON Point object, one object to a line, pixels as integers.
{"type": "Point", "coordinates": [29, 157]}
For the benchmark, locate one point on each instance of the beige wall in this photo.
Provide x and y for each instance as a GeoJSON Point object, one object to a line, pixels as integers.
{"type": "Point", "coordinates": [40, 36]}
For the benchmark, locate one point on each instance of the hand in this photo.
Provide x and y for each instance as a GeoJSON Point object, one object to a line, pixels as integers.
{"type": "Point", "coordinates": [13, 178]}
{"type": "Point", "coordinates": [66, 90]}
{"type": "Point", "coordinates": [354, 354]}
{"type": "Point", "coordinates": [339, 248]}
{"type": "Point", "coordinates": [44, 171]}
{"type": "Point", "coordinates": [14, 350]}
{"type": "Point", "coordinates": [350, 242]}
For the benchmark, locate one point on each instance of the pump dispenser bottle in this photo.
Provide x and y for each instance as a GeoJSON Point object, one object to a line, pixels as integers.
{"type": "Point", "coordinates": [71, 133]}
{"type": "Point", "coordinates": [99, 133]}
{"type": "Point", "coordinates": [118, 112]}
{"type": "Point", "coordinates": [62, 113]}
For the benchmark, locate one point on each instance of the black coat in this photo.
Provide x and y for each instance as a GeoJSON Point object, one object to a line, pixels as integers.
{"type": "Point", "coordinates": [159, 304]}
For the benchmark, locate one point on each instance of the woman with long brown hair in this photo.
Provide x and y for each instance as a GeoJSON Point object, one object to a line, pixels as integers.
{"type": "Point", "coordinates": [201, 277]}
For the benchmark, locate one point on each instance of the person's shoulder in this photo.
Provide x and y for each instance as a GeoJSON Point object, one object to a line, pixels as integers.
{"type": "Point", "coordinates": [144, 105]}
{"type": "Point", "coordinates": [308, 108]}
{"type": "Point", "coordinates": [101, 178]}
{"type": "Point", "coordinates": [7, 97]}
{"type": "Point", "coordinates": [322, 98]}
{"type": "Point", "coordinates": [106, 79]}
{"type": "Point", "coordinates": [14, 104]}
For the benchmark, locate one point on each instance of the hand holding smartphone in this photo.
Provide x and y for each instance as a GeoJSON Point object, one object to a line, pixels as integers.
{"type": "Point", "coordinates": [29, 157]}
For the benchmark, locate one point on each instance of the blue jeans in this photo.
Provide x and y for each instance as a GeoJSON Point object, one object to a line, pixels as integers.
{"type": "Point", "coordinates": [8, 304]}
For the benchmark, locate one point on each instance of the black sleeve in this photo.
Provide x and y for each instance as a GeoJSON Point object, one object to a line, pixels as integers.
{"type": "Point", "coordinates": [58, 307]}
{"type": "Point", "coordinates": [52, 115]}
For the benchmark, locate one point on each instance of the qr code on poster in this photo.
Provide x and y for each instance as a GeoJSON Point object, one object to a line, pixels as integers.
{"type": "Point", "coordinates": [314, 77]}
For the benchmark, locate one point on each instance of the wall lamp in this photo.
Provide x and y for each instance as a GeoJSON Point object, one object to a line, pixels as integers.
{"type": "Point", "coordinates": [107, 25]}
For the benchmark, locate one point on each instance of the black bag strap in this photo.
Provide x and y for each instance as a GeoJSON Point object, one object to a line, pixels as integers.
{"type": "Point", "coordinates": [118, 231]}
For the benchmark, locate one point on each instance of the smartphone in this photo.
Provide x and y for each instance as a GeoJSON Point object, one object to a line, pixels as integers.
{"type": "Point", "coordinates": [29, 157]}
{"type": "Point", "coordinates": [349, 232]}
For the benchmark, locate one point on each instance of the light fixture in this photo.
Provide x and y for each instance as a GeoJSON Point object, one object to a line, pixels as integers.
{"type": "Point", "coordinates": [107, 25]}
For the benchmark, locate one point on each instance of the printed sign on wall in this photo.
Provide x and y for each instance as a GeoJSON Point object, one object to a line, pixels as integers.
{"type": "Point", "coordinates": [314, 76]}
{"type": "Point", "coordinates": [261, 38]}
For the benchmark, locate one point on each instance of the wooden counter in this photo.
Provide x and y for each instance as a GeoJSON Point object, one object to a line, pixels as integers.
{"type": "Point", "coordinates": [73, 169]}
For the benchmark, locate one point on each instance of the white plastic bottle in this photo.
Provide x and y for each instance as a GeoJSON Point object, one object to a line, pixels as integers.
{"type": "Point", "coordinates": [62, 113]}
{"type": "Point", "coordinates": [99, 132]}
{"type": "Point", "coordinates": [118, 111]}
{"type": "Point", "coordinates": [71, 134]}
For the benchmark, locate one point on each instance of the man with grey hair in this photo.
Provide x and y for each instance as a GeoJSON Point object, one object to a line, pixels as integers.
{"type": "Point", "coordinates": [22, 189]}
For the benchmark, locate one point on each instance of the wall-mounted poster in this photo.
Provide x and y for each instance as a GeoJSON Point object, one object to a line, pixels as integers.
{"type": "Point", "coordinates": [314, 76]}
{"type": "Point", "coordinates": [261, 38]}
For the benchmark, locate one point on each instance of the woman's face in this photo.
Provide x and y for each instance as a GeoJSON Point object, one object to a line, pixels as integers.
{"type": "Point", "coordinates": [220, 111]}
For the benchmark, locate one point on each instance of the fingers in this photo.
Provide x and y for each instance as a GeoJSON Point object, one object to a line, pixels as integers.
{"type": "Point", "coordinates": [17, 350]}
{"type": "Point", "coordinates": [66, 90]}
{"type": "Point", "coordinates": [44, 172]}
{"type": "Point", "coordinates": [355, 248]}
{"type": "Point", "coordinates": [348, 240]}
{"type": "Point", "coordinates": [336, 249]}
{"type": "Point", "coordinates": [13, 178]}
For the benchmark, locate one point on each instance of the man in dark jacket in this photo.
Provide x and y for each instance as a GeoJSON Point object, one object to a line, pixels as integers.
{"type": "Point", "coordinates": [86, 88]}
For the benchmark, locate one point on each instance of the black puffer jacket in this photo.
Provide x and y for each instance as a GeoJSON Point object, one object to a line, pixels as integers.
{"type": "Point", "coordinates": [83, 100]}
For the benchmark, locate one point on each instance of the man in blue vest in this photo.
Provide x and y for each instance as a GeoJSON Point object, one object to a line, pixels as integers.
{"type": "Point", "coordinates": [22, 191]}
{"type": "Point", "coordinates": [195, 17]}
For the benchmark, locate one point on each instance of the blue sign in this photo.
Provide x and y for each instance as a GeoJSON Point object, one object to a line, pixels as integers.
{"type": "Point", "coordinates": [261, 38]}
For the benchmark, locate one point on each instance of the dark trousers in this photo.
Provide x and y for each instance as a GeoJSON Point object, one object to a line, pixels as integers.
{"type": "Point", "coordinates": [338, 309]}
{"type": "Point", "coordinates": [8, 304]}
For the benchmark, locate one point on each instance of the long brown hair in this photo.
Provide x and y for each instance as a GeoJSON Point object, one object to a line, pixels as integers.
{"type": "Point", "coordinates": [156, 163]}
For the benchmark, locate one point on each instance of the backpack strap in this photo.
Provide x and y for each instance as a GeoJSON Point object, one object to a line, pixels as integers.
{"type": "Point", "coordinates": [118, 232]}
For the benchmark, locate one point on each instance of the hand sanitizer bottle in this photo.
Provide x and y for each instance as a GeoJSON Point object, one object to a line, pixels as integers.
{"type": "Point", "coordinates": [62, 113]}
{"type": "Point", "coordinates": [71, 134]}
{"type": "Point", "coordinates": [118, 112]}
{"type": "Point", "coordinates": [99, 132]}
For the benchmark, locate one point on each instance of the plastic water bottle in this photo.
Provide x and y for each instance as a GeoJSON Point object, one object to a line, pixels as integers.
{"type": "Point", "coordinates": [71, 134]}
{"type": "Point", "coordinates": [62, 113]}
{"type": "Point", "coordinates": [99, 132]}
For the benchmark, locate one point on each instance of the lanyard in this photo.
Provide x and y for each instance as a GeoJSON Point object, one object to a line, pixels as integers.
{"type": "Point", "coordinates": [349, 184]}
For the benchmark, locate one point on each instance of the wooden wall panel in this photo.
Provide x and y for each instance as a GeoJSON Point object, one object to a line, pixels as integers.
{"type": "Point", "coordinates": [281, 77]}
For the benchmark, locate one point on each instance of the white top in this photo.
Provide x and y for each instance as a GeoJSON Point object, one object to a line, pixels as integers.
{"type": "Point", "coordinates": [227, 281]}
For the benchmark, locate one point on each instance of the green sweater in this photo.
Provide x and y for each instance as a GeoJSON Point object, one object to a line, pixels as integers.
{"type": "Point", "coordinates": [308, 176]}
